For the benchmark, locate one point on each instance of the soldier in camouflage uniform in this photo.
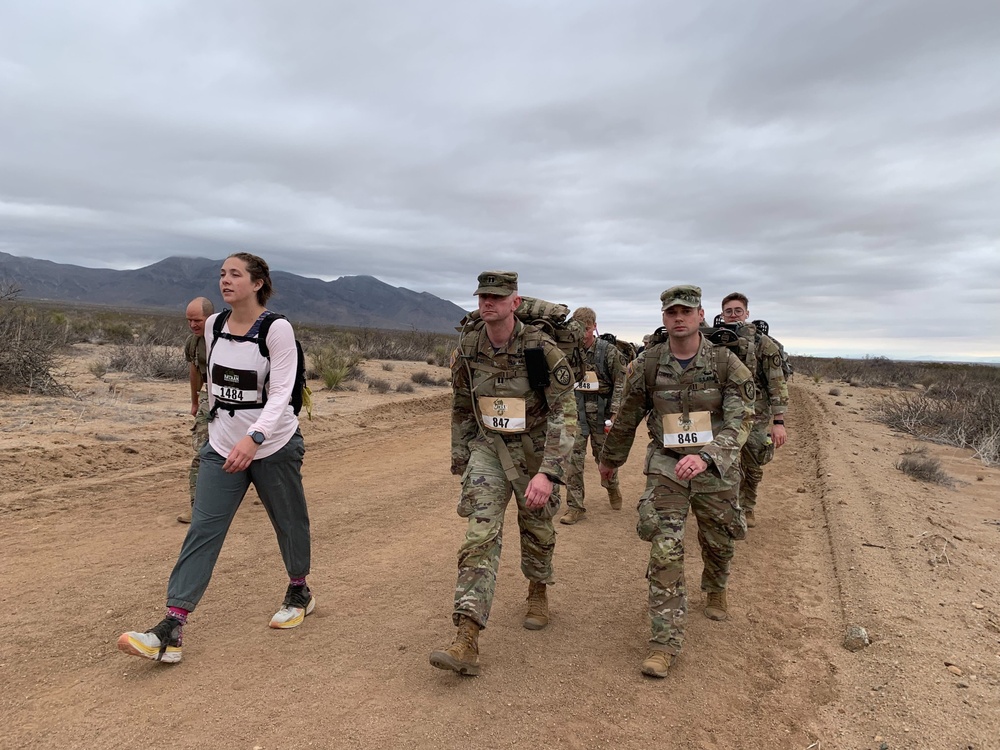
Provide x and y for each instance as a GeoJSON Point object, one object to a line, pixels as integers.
{"type": "Point", "coordinates": [699, 400]}
{"type": "Point", "coordinates": [197, 313]}
{"type": "Point", "coordinates": [507, 437]}
{"type": "Point", "coordinates": [769, 410]}
{"type": "Point", "coordinates": [597, 398]}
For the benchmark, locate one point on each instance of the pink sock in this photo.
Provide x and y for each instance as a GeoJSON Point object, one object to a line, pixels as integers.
{"type": "Point", "coordinates": [297, 581]}
{"type": "Point", "coordinates": [178, 614]}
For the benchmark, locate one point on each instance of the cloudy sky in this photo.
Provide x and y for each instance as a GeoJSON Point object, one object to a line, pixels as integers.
{"type": "Point", "coordinates": [838, 162]}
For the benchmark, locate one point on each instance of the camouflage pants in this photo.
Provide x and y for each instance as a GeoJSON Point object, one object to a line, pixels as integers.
{"type": "Point", "coordinates": [663, 510]}
{"type": "Point", "coordinates": [199, 436]}
{"type": "Point", "coordinates": [757, 452]}
{"type": "Point", "coordinates": [574, 479]}
{"type": "Point", "coordinates": [485, 494]}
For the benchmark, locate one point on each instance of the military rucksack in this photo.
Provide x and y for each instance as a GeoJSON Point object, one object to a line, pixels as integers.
{"type": "Point", "coordinates": [786, 364]}
{"type": "Point", "coordinates": [301, 393]}
{"type": "Point", "coordinates": [627, 348]}
{"type": "Point", "coordinates": [551, 319]}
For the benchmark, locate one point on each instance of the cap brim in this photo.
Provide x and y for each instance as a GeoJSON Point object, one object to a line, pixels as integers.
{"type": "Point", "coordinates": [682, 302]}
{"type": "Point", "coordinates": [492, 290]}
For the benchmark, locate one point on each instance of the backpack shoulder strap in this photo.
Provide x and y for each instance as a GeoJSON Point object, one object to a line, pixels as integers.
{"type": "Point", "coordinates": [265, 326]}
{"type": "Point", "coordinates": [220, 321]}
{"type": "Point", "coordinates": [722, 364]}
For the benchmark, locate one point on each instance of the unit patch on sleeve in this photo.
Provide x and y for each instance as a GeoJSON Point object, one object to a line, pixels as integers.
{"type": "Point", "coordinates": [563, 376]}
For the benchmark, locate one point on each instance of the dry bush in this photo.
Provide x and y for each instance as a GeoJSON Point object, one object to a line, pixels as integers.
{"type": "Point", "coordinates": [924, 469]}
{"type": "Point", "coordinates": [425, 378]}
{"type": "Point", "coordinates": [379, 385]}
{"type": "Point", "coordinates": [834, 391]}
{"type": "Point", "coordinates": [149, 361]}
{"type": "Point", "coordinates": [388, 366]}
{"type": "Point", "coordinates": [405, 388]}
{"type": "Point", "coordinates": [27, 357]}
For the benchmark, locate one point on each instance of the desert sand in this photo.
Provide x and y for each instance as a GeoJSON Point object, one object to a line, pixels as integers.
{"type": "Point", "coordinates": [92, 483]}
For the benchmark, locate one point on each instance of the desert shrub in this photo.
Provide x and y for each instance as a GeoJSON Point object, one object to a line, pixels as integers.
{"type": "Point", "coordinates": [98, 368]}
{"type": "Point", "coordinates": [27, 357]}
{"type": "Point", "coordinates": [923, 468]}
{"type": "Point", "coordinates": [965, 415]}
{"type": "Point", "coordinates": [425, 378]}
{"type": "Point", "coordinates": [405, 388]}
{"type": "Point", "coordinates": [331, 365]}
{"type": "Point", "coordinates": [834, 391]}
{"type": "Point", "coordinates": [149, 361]}
{"type": "Point", "coordinates": [388, 366]}
{"type": "Point", "coordinates": [117, 332]}
{"type": "Point", "coordinates": [379, 385]}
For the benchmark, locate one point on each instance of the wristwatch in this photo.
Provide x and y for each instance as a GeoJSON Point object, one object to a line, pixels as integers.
{"type": "Point", "coordinates": [257, 437]}
{"type": "Point", "coordinates": [705, 457]}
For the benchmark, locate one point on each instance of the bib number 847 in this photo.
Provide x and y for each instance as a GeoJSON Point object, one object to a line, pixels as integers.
{"type": "Point", "coordinates": [500, 422]}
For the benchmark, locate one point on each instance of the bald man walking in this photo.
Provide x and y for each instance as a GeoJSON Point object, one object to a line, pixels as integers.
{"type": "Point", "coordinates": [197, 313]}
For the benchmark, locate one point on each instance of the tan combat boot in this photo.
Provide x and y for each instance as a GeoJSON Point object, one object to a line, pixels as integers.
{"type": "Point", "coordinates": [185, 517]}
{"type": "Point", "coordinates": [462, 655]}
{"type": "Point", "coordinates": [572, 515]}
{"type": "Point", "coordinates": [657, 664]}
{"type": "Point", "coordinates": [751, 519]}
{"type": "Point", "coordinates": [715, 607]}
{"type": "Point", "coordinates": [538, 607]}
{"type": "Point", "coordinates": [615, 498]}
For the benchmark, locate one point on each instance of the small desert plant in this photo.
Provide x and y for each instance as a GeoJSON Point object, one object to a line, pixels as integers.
{"type": "Point", "coordinates": [98, 368]}
{"type": "Point", "coordinates": [388, 366]}
{"type": "Point", "coordinates": [333, 367]}
{"type": "Point", "coordinates": [923, 468]}
{"type": "Point", "coordinates": [405, 388]}
{"type": "Point", "coordinates": [27, 356]}
{"type": "Point", "coordinates": [425, 378]}
{"type": "Point", "coordinates": [834, 391]}
{"type": "Point", "coordinates": [379, 385]}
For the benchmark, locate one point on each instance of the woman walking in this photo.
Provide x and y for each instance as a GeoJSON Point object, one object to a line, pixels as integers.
{"type": "Point", "coordinates": [253, 438]}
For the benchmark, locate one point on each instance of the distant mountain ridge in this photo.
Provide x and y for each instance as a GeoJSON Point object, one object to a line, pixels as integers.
{"type": "Point", "coordinates": [358, 301]}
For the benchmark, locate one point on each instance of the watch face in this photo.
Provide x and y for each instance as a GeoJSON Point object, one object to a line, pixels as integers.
{"type": "Point", "coordinates": [257, 437]}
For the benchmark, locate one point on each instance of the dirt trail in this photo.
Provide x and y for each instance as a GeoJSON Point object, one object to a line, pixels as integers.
{"type": "Point", "coordinates": [85, 558]}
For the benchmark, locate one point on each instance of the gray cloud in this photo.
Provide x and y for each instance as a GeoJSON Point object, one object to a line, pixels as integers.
{"type": "Point", "coordinates": [835, 162]}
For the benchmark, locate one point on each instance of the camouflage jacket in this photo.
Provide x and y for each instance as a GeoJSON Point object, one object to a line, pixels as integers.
{"type": "Point", "coordinates": [550, 414]}
{"type": "Point", "coordinates": [772, 389]}
{"type": "Point", "coordinates": [610, 377]}
{"type": "Point", "coordinates": [697, 386]}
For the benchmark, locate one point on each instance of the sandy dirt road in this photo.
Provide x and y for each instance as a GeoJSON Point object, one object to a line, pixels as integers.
{"type": "Point", "coordinates": [842, 538]}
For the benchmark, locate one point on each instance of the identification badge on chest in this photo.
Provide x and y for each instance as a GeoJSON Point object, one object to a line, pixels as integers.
{"type": "Point", "coordinates": [502, 414]}
{"type": "Point", "coordinates": [235, 386]}
{"type": "Point", "coordinates": [687, 433]}
{"type": "Point", "coordinates": [589, 382]}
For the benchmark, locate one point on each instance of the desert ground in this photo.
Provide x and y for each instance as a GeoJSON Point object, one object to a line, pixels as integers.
{"type": "Point", "coordinates": [92, 482]}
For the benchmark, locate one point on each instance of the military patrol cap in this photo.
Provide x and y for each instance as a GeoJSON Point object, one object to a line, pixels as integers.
{"type": "Point", "coordinates": [685, 294]}
{"type": "Point", "coordinates": [500, 283]}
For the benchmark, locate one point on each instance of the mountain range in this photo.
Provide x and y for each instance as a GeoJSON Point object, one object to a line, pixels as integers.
{"type": "Point", "coordinates": [357, 301]}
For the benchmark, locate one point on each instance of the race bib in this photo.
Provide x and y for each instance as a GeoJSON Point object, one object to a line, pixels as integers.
{"type": "Point", "coordinates": [502, 414]}
{"type": "Point", "coordinates": [695, 430]}
{"type": "Point", "coordinates": [234, 386]}
{"type": "Point", "coordinates": [589, 382]}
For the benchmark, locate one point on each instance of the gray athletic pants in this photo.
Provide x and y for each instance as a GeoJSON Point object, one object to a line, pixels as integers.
{"type": "Point", "coordinates": [278, 480]}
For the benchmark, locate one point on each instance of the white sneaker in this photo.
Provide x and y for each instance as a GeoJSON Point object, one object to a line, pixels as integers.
{"type": "Point", "coordinates": [298, 603]}
{"type": "Point", "coordinates": [160, 643]}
